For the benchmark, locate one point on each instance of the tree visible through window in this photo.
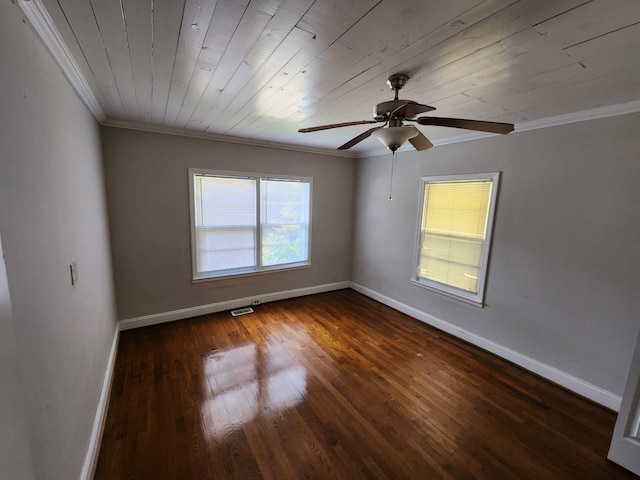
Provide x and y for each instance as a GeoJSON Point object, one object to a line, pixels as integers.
{"type": "Point", "coordinates": [284, 221]}
{"type": "Point", "coordinates": [245, 224]}
{"type": "Point", "coordinates": [455, 231]}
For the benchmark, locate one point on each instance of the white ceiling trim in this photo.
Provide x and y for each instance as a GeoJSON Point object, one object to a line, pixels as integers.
{"type": "Point", "coordinates": [564, 119]}
{"type": "Point", "coordinates": [45, 29]}
{"type": "Point", "coordinates": [582, 116]}
{"type": "Point", "coordinates": [183, 132]}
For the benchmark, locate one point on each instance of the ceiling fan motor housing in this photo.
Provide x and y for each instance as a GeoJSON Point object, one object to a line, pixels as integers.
{"type": "Point", "coordinates": [382, 111]}
{"type": "Point", "coordinates": [397, 81]}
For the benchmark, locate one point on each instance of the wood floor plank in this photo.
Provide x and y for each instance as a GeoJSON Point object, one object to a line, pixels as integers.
{"type": "Point", "coordinates": [338, 386]}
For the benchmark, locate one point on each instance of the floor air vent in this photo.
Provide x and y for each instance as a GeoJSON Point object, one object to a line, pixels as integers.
{"type": "Point", "coordinates": [241, 311]}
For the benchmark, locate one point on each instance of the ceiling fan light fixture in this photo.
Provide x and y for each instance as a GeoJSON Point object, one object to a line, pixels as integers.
{"type": "Point", "coordinates": [394, 137]}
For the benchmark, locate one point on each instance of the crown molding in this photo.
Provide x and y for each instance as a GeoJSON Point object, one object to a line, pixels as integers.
{"type": "Point", "coordinates": [581, 116]}
{"type": "Point", "coordinates": [44, 28]}
{"type": "Point", "coordinates": [183, 132]}
{"type": "Point", "coordinates": [564, 119]}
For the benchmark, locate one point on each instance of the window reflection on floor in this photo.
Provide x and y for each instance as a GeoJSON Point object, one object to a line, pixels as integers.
{"type": "Point", "coordinates": [250, 381]}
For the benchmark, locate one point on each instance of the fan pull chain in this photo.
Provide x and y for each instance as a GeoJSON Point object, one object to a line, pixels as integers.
{"type": "Point", "coordinates": [393, 164]}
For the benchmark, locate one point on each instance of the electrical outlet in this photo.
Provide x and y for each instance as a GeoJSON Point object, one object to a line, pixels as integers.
{"type": "Point", "coordinates": [255, 301]}
{"type": "Point", "coordinates": [74, 273]}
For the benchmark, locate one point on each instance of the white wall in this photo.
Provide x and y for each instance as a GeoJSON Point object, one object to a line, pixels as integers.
{"type": "Point", "coordinates": [147, 190]}
{"type": "Point", "coordinates": [563, 283]}
{"type": "Point", "coordinates": [52, 212]}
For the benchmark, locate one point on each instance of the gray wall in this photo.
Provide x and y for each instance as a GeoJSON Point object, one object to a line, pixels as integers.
{"type": "Point", "coordinates": [147, 190]}
{"type": "Point", "coordinates": [563, 283]}
{"type": "Point", "coordinates": [52, 211]}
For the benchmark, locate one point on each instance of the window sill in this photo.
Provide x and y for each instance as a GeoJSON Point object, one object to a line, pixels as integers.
{"type": "Point", "coordinates": [227, 276]}
{"type": "Point", "coordinates": [448, 294]}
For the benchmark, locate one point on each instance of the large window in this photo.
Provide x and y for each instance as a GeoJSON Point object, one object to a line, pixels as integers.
{"type": "Point", "coordinates": [454, 233]}
{"type": "Point", "coordinates": [244, 223]}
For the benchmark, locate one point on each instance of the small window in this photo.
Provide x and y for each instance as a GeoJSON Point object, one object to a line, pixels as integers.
{"type": "Point", "coordinates": [248, 223]}
{"type": "Point", "coordinates": [456, 218]}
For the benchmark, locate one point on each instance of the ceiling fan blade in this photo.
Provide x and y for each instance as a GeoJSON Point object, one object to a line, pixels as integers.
{"type": "Point", "coordinates": [412, 109]}
{"type": "Point", "coordinates": [359, 138]}
{"type": "Point", "coordinates": [420, 142]}
{"type": "Point", "coordinates": [335, 125]}
{"type": "Point", "coordinates": [482, 126]}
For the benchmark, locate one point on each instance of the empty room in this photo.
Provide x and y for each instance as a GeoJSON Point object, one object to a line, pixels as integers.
{"type": "Point", "coordinates": [319, 239]}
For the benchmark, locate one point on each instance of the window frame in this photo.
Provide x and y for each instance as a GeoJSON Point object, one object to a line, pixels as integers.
{"type": "Point", "coordinates": [476, 299]}
{"type": "Point", "coordinates": [258, 269]}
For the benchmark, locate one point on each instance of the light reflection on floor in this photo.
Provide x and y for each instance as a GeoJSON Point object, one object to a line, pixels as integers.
{"type": "Point", "coordinates": [250, 381]}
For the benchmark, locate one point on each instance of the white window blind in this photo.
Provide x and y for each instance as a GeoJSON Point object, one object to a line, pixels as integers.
{"type": "Point", "coordinates": [225, 223]}
{"type": "Point", "coordinates": [248, 224]}
{"type": "Point", "coordinates": [454, 233]}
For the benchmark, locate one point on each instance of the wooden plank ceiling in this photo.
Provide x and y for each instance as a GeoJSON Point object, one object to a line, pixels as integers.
{"type": "Point", "coordinates": [261, 69]}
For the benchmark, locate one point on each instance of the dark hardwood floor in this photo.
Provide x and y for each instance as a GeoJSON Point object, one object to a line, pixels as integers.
{"type": "Point", "coordinates": [338, 386]}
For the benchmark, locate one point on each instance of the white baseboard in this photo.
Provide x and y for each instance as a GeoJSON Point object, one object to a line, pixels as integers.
{"type": "Point", "coordinates": [91, 458]}
{"type": "Point", "coordinates": [559, 377]}
{"type": "Point", "coordinates": [163, 317]}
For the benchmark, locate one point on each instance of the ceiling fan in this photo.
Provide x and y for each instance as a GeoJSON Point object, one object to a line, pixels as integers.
{"type": "Point", "coordinates": [394, 113]}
